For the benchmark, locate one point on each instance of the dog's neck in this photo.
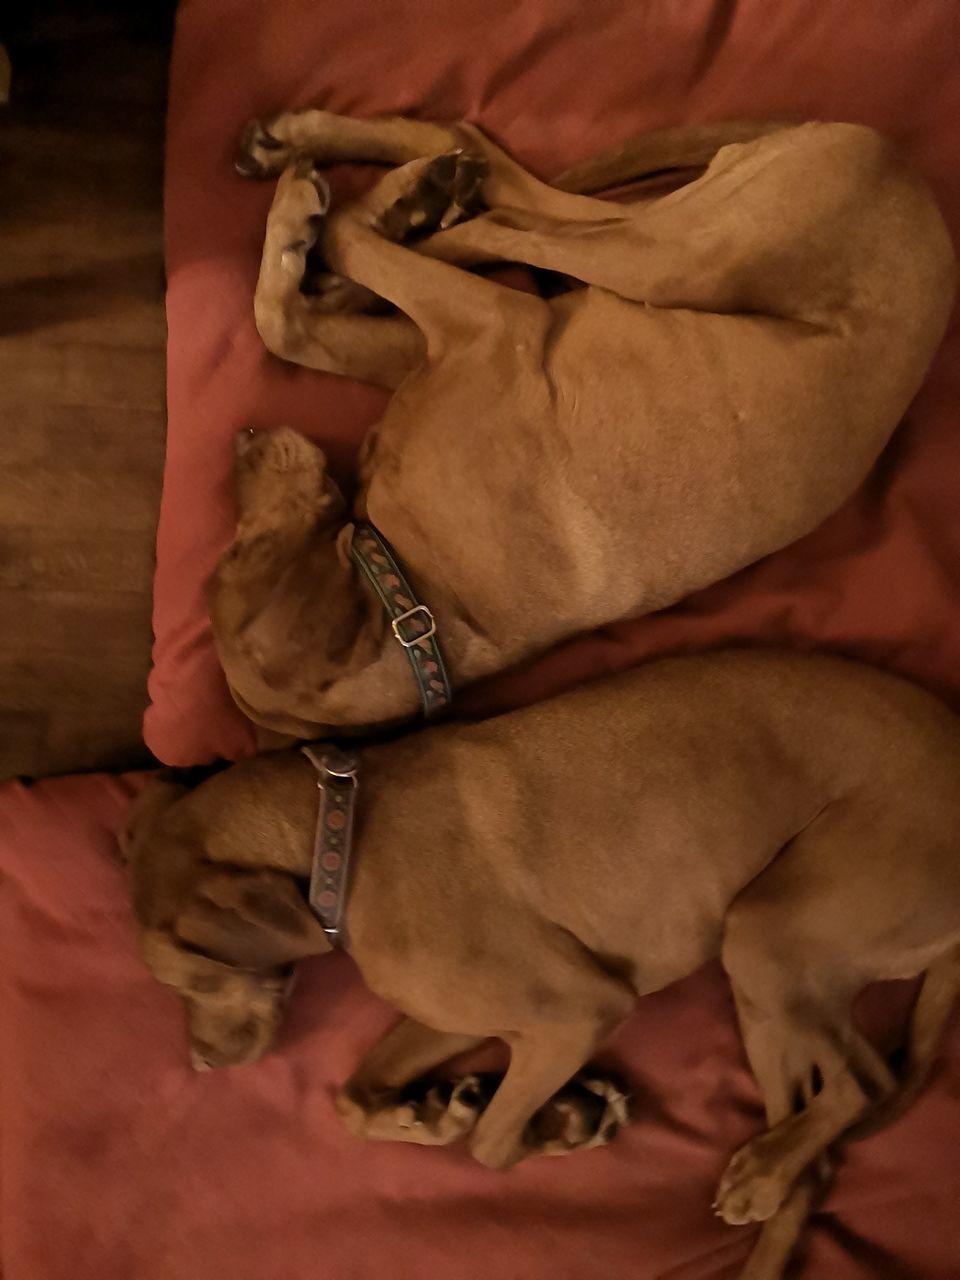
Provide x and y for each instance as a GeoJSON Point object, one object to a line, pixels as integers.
{"type": "Point", "coordinates": [292, 611]}
{"type": "Point", "coordinates": [317, 625]}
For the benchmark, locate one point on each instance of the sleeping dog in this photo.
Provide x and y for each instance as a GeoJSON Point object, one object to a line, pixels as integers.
{"type": "Point", "coordinates": [740, 353]}
{"type": "Point", "coordinates": [529, 877]}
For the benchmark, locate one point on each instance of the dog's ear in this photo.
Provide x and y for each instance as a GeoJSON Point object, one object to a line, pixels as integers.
{"type": "Point", "coordinates": [250, 919]}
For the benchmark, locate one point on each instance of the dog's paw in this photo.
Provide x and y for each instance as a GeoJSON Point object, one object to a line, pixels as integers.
{"type": "Point", "coordinates": [445, 1110]}
{"type": "Point", "coordinates": [753, 1187]}
{"type": "Point", "coordinates": [299, 222]}
{"type": "Point", "coordinates": [588, 1112]}
{"type": "Point", "coordinates": [446, 192]}
{"type": "Point", "coordinates": [259, 154]}
{"type": "Point", "coordinates": [306, 170]}
{"type": "Point", "coordinates": [429, 1112]}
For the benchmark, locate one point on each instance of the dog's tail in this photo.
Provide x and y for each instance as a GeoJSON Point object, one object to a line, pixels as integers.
{"type": "Point", "coordinates": [685, 146]}
{"type": "Point", "coordinates": [935, 1002]}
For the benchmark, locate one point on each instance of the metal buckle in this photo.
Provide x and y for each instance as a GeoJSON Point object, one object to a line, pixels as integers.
{"type": "Point", "coordinates": [332, 764]}
{"type": "Point", "coordinates": [417, 608]}
{"type": "Point", "coordinates": [341, 765]}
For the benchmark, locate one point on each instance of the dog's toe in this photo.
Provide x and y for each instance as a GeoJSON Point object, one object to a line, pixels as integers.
{"type": "Point", "coordinates": [446, 192]}
{"type": "Point", "coordinates": [752, 1188]}
{"type": "Point", "coordinates": [307, 170]}
{"type": "Point", "coordinates": [465, 189]}
{"type": "Point", "coordinates": [446, 1110]}
{"type": "Point", "coordinates": [471, 1096]}
{"type": "Point", "coordinates": [588, 1112]}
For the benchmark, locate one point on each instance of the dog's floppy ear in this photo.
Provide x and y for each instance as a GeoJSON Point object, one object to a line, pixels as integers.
{"type": "Point", "coordinates": [250, 919]}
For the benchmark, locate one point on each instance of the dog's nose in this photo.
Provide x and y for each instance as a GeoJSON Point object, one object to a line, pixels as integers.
{"type": "Point", "coordinates": [243, 440]}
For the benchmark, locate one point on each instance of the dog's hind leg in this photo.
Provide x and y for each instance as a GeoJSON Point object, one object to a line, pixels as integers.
{"type": "Point", "coordinates": [267, 148]}
{"type": "Point", "coordinates": [755, 234]}
{"type": "Point", "coordinates": [760, 1176]}
{"type": "Point", "coordinates": [795, 963]}
{"type": "Point", "coordinates": [785, 1085]}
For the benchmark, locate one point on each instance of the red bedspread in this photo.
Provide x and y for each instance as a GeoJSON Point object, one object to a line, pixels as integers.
{"type": "Point", "coordinates": [119, 1163]}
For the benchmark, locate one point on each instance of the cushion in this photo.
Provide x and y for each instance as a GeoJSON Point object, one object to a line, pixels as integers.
{"type": "Point", "coordinates": [554, 80]}
{"type": "Point", "coordinates": [117, 1161]}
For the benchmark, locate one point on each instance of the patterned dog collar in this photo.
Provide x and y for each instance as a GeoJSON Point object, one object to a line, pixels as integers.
{"type": "Point", "coordinates": [412, 623]}
{"type": "Point", "coordinates": [333, 841]}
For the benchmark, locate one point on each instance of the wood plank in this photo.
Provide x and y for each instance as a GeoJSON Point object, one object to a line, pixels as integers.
{"type": "Point", "coordinates": [82, 379]}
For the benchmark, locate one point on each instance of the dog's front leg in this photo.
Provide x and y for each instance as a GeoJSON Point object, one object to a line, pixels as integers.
{"type": "Point", "coordinates": [542, 1061]}
{"type": "Point", "coordinates": [373, 1105]}
{"type": "Point", "coordinates": [310, 331]}
{"type": "Point", "coordinates": [267, 147]}
{"type": "Point", "coordinates": [392, 1098]}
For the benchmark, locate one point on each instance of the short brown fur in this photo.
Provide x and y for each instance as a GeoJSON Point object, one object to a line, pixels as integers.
{"type": "Point", "coordinates": [740, 353]}
{"type": "Point", "coordinates": [529, 877]}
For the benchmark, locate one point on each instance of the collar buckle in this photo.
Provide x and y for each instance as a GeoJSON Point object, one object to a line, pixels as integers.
{"type": "Point", "coordinates": [413, 625]}
{"type": "Point", "coordinates": [340, 765]}
{"type": "Point", "coordinates": [396, 622]}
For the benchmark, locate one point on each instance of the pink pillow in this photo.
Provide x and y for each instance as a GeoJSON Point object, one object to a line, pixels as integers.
{"type": "Point", "coordinates": [554, 80]}
{"type": "Point", "coordinates": [117, 1161]}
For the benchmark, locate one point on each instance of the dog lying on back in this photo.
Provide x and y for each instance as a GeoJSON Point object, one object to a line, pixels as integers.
{"type": "Point", "coordinates": [739, 355]}
{"type": "Point", "coordinates": [799, 816]}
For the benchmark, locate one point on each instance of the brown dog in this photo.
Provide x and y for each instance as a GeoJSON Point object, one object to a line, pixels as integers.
{"type": "Point", "coordinates": [742, 351]}
{"type": "Point", "coordinates": [529, 877]}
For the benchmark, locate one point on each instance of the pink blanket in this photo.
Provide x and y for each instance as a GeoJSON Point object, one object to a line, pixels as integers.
{"type": "Point", "coordinates": [118, 1163]}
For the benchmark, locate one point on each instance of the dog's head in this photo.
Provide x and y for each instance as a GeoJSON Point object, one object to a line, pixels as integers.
{"type": "Point", "coordinates": [233, 1016]}
{"type": "Point", "coordinates": [225, 937]}
{"type": "Point", "coordinates": [292, 617]}
{"type": "Point", "coordinates": [282, 480]}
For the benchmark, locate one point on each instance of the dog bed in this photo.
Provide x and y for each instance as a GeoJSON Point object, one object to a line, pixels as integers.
{"type": "Point", "coordinates": [118, 1162]}
{"type": "Point", "coordinates": [554, 80]}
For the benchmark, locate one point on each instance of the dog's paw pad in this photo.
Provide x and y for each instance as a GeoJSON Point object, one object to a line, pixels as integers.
{"type": "Point", "coordinates": [259, 153]}
{"type": "Point", "coordinates": [446, 192]}
{"type": "Point", "coordinates": [588, 1112]}
{"type": "Point", "coordinates": [471, 1096]}
{"type": "Point", "coordinates": [448, 1109]}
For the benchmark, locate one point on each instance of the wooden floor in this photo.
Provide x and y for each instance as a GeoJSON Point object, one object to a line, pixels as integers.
{"type": "Point", "coordinates": [81, 383]}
